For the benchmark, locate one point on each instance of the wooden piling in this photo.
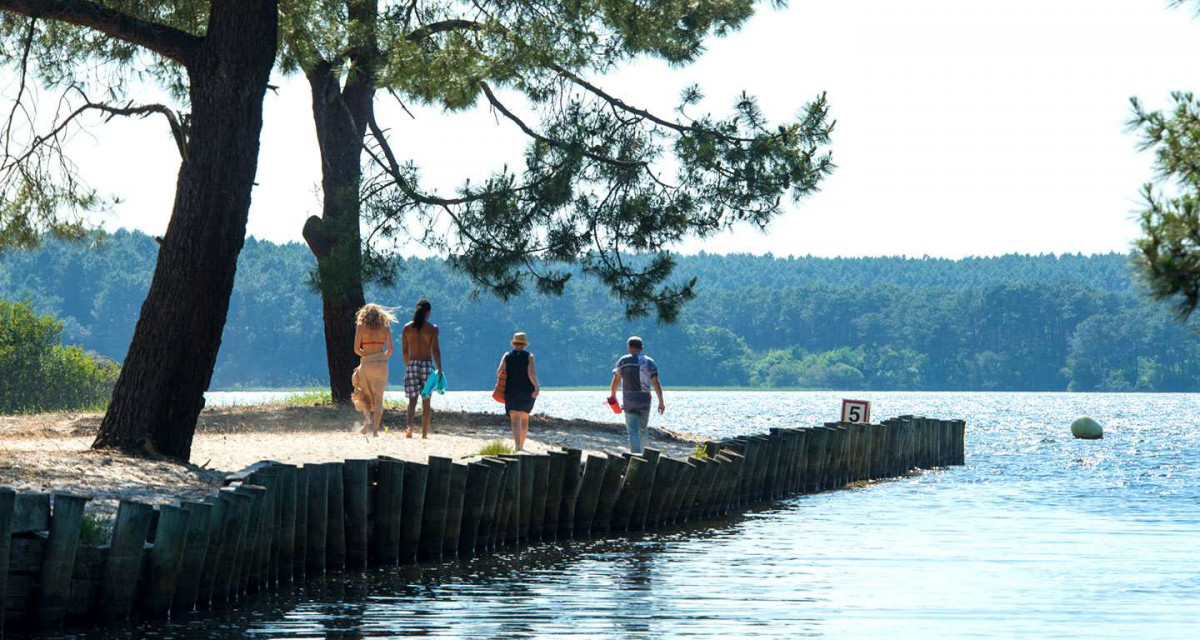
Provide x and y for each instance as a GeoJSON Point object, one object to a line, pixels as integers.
{"type": "Point", "coordinates": [687, 508]}
{"type": "Point", "coordinates": [683, 486]}
{"type": "Point", "coordinates": [218, 526]}
{"type": "Point", "coordinates": [454, 511]}
{"type": "Point", "coordinates": [493, 505]}
{"type": "Point", "coordinates": [300, 529]}
{"type": "Point", "coordinates": [631, 487]}
{"type": "Point", "coordinates": [649, 471]}
{"type": "Point", "coordinates": [389, 507]}
{"type": "Point", "coordinates": [58, 560]}
{"type": "Point", "coordinates": [165, 560]}
{"type": "Point", "coordinates": [286, 473]}
{"type": "Point", "coordinates": [510, 528]}
{"type": "Point", "coordinates": [335, 517]}
{"type": "Point", "coordinates": [8, 502]}
{"type": "Point", "coordinates": [437, 496]}
{"type": "Point", "coordinates": [540, 495]}
{"type": "Point", "coordinates": [664, 485]}
{"type": "Point", "coordinates": [318, 523]}
{"type": "Point", "coordinates": [589, 494]}
{"type": "Point", "coordinates": [412, 510]}
{"type": "Point", "coordinates": [356, 489]}
{"type": "Point", "coordinates": [195, 553]}
{"type": "Point", "coordinates": [249, 574]}
{"type": "Point", "coordinates": [554, 490]}
{"type": "Point", "coordinates": [524, 494]}
{"type": "Point", "coordinates": [610, 492]}
{"type": "Point", "coordinates": [570, 491]}
{"type": "Point", "coordinates": [474, 500]}
{"type": "Point", "coordinates": [125, 559]}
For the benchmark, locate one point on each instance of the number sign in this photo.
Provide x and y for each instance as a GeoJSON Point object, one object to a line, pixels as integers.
{"type": "Point", "coordinates": [856, 411]}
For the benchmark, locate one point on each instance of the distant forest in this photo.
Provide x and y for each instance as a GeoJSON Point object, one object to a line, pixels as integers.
{"type": "Point", "coordinates": [1006, 323]}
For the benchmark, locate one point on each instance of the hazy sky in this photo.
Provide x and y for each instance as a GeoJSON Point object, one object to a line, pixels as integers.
{"type": "Point", "coordinates": [964, 127]}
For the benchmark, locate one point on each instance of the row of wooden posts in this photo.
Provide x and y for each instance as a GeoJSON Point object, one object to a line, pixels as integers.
{"type": "Point", "coordinates": [277, 524]}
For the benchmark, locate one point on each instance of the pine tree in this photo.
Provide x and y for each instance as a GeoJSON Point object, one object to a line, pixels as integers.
{"type": "Point", "coordinates": [216, 57]}
{"type": "Point", "coordinates": [601, 177]}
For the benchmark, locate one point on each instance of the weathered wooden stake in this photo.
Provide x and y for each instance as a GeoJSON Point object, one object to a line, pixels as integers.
{"type": "Point", "coordinates": [165, 560]}
{"type": "Point", "coordinates": [649, 471]}
{"type": "Point", "coordinates": [8, 501]}
{"type": "Point", "coordinates": [570, 492]}
{"type": "Point", "coordinates": [335, 517]}
{"type": "Point", "coordinates": [454, 511]}
{"type": "Point", "coordinates": [389, 507]}
{"type": "Point", "coordinates": [554, 491]}
{"type": "Point", "coordinates": [58, 561]}
{"type": "Point", "coordinates": [318, 523]}
{"type": "Point", "coordinates": [356, 488]}
{"type": "Point", "coordinates": [589, 494]}
{"type": "Point", "coordinates": [474, 501]}
{"type": "Point", "coordinates": [631, 487]}
{"type": "Point", "coordinates": [412, 511]}
{"type": "Point", "coordinates": [437, 495]}
{"type": "Point", "coordinates": [195, 553]}
{"type": "Point", "coordinates": [540, 495]}
{"type": "Point", "coordinates": [125, 559]}
{"type": "Point", "coordinates": [610, 492]}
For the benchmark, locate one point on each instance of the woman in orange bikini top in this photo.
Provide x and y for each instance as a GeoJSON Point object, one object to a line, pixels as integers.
{"type": "Point", "coordinates": [373, 344]}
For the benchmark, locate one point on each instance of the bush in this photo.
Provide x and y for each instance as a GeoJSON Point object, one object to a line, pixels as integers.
{"type": "Point", "coordinates": [39, 373]}
{"type": "Point", "coordinates": [495, 448]}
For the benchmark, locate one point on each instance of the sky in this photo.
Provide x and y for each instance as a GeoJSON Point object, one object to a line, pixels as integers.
{"type": "Point", "coordinates": [964, 128]}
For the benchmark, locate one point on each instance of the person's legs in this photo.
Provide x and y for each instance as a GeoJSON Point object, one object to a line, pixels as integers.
{"type": "Point", "coordinates": [514, 423]}
{"type": "Point", "coordinates": [426, 417]}
{"type": "Point", "coordinates": [524, 429]}
{"type": "Point", "coordinates": [377, 417]}
{"type": "Point", "coordinates": [633, 424]}
{"type": "Point", "coordinates": [412, 413]}
{"type": "Point", "coordinates": [366, 422]}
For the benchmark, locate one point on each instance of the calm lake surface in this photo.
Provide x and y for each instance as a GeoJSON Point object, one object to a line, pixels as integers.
{"type": "Point", "coordinates": [1039, 535]}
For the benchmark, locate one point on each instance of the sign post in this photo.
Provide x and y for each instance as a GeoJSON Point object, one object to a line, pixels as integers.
{"type": "Point", "coordinates": [856, 411]}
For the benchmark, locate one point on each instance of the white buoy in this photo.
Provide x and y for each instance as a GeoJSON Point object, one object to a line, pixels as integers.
{"type": "Point", "coordinates": [1087, 429]}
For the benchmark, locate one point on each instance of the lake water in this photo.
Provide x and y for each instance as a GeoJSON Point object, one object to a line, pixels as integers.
{"type": "Point", "coordinates": [1039, 535]}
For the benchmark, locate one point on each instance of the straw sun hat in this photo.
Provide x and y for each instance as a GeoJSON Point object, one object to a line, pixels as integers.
{"type": "Point", "coordinates": [519, 339]}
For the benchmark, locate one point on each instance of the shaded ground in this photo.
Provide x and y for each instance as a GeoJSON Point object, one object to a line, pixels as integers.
{"type": "Point", "coordinates": [50, 452]}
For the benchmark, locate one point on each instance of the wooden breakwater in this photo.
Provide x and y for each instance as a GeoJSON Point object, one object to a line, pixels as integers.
{"type": "Point", "coordinates": [275, 525]}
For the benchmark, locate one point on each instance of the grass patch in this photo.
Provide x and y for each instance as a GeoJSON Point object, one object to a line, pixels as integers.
{"type": "Point", "coordinates": [495, 448]}
{"type": "Point", "coordinates": [309, 399]}
{"type": "Point", "coordinates": [701, 451]}
{"type": "Point", "coordinates": [95, 530]}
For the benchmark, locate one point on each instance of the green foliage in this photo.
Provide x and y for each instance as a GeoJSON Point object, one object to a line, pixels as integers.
{"type": "Point", "coordinates": [38, 373]}
{"type": "Point", "coordinates": [701, 451]}
{"type": "Point", "coordinates": [95, 530]}
{"type": "Point", "coordinates": [1007, 323]}
{"type": "Point", "coordinates": [495, 448]}
{"type": "Point", "coordinates": [601, 180]}
{"type": "Point", "coordinates": [310, 399]}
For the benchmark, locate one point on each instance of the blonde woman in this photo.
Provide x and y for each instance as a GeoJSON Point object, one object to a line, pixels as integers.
{"type": "Point", "coordinates": [520, 387]}
{"type": "Point", "coordinates": [373, 344]}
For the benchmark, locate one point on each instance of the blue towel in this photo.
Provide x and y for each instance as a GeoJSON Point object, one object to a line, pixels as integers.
{"type": "Point", "coordinates": [436, 382]}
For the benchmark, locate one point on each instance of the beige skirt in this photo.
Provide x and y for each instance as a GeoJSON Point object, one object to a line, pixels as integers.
{"type": "Point", "coordinates": [370, 381]}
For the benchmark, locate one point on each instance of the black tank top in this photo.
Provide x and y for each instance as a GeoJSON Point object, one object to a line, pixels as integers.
{"type": "Point", "coordinates": [516, 372]}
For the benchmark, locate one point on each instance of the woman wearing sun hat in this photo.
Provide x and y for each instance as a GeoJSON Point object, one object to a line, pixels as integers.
{"type": "Point", "coordinates": [520, 387]}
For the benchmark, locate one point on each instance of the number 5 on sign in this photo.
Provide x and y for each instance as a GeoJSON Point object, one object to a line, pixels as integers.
{"type": "Point", "coordinates": [856, 411]}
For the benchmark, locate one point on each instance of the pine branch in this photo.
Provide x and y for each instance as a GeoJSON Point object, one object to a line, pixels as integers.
{"type": "Point", "coordinates": [166, 41]}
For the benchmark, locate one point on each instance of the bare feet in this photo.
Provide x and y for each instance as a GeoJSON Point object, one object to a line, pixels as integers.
{"type": "Point", "coordinates": [364, 429]}
{"type": "Point", "coordinates": [408, 432]}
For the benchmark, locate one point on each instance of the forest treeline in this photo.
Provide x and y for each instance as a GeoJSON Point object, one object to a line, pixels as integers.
{"type": "Point", "coordinates": [1005, 323]}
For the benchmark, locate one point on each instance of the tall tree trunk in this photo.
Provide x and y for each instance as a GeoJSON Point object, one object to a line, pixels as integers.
{"type": "Point", "coordinates": [160, 392]}
{"type": "Point", "coordinates": [340, 115]}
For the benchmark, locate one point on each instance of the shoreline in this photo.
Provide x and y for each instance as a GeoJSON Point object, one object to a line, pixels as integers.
{"type": "Point", "coordinates": [51, 452]}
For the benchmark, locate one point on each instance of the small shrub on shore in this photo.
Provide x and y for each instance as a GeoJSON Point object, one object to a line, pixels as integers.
{"type": "Point", "coordinates": [95, 530]}
{"type": "Point", "coordinates": [495, 448]}
{"type": "Point", "coordinates": [39, 373]}
{"type": "Point", "coordinates": [701, 451]}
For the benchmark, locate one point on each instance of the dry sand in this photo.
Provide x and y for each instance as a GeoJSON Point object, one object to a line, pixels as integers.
{"type": "Point", "coordinates": [51, 452]}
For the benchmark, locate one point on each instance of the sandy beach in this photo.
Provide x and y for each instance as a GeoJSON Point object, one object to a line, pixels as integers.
{"type": "Point", "coordinates": [51, 452]}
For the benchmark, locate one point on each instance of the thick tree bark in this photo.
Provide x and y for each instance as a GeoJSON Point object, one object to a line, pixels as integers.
{"type": "Point", "coordinates": [340, 115]}
{"type": "Point", "coordinates": [160, 392]}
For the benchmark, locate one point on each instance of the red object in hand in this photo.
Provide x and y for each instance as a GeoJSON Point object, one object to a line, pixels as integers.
{"type": "Point", "coordinates": [613, 404]}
